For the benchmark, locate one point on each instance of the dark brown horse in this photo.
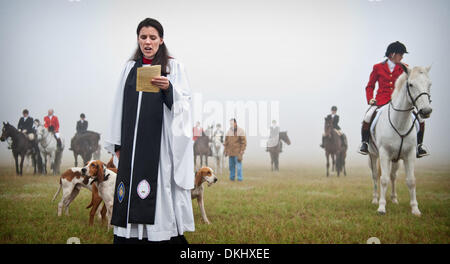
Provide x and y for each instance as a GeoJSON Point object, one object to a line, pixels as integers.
{"type": "Point", "coordinates": [202, 149]}
{"type": "Point", "coordinates": [21, 146]}
{"type": "Point", "coordinates": [84, 144]}
{"type": "Point", "coordinates": [336, 147]}
{"type": "Point", "coordinates": [275, 150]}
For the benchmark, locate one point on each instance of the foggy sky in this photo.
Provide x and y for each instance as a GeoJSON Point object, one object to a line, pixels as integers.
{"type": "Point", "coordinates": [306, 55]}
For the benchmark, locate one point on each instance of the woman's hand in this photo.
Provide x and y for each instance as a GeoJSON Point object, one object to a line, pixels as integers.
{"type": "Point", "coordinates": [161, 82]}
{"type": "Point", "coordinates": [118, 154]}
{"type": "Point", "coordinates": [373, 102]}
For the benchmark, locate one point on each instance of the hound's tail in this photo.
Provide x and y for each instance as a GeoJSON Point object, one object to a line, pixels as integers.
{"type": "Point", "coordinates": [57, 192]}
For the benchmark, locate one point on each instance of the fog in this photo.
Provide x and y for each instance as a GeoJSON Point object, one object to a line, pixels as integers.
{"type": "Point", "coordinates": [303, 55]}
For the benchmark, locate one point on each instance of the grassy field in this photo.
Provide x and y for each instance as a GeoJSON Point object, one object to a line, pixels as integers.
{"type": "Point", "coordinates": [295, 205]}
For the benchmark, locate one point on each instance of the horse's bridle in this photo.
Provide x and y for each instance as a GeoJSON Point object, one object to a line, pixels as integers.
{"type": "Point", "coordinates": [411, 98]}
{"type": "Point", "coordinates": [413, 101]}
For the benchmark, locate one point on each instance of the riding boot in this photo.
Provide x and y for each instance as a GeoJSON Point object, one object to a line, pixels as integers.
{"type": "Point", "coordinates": [365, 134]}
{"type": "Point", "coordinates": [58, 143]}
{"type": "Point", "coordinates": [322, 145]}
{"type": "Point", "coordinates": [421, 150]}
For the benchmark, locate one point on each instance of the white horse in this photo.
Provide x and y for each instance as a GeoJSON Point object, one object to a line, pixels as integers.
{"type": "Point", "coordinates": [393, 137]}
{"type": "Point", "coordinates": [48, 148]}
{"type": "Point", "coordinates": [217, 151]}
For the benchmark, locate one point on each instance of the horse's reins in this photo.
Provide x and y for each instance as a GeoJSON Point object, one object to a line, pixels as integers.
{"type": "Point", "coordinates": [413, 101]}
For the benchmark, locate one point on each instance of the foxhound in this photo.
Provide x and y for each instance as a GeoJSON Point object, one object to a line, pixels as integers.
{"type": "Point", "coordinates": [205, 174]}
{"type": "Point", "coordinates": [105, 181]}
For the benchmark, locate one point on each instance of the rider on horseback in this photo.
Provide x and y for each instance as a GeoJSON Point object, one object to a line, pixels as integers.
{"type": "Point", "coordinates": [386, 73]}
{"type": "Point", "coordinates": [274, 136]}
{"type": "Point", "coordinates": [218, 132]}
{"type": "Point", "coordinates": [51, 122]}
{"type": "Point", "coordinates": [25, 126]}
{"type": "Point", "coordinates": [335, 118]}
{"type": "Point", "coordinates": [82, 124]}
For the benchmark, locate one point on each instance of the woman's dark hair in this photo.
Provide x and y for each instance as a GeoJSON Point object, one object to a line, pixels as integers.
{"type": "Point", "coordinates": [162, 55]}
{"type": "Point", "coordinates": [395, 47]}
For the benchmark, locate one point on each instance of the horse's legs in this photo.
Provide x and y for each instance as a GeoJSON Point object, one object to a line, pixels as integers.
{"type": "Point", "coordinates": [394, 169]}
{"type": "Point", "coordinates": [333, 159]}
{"type": "Point", "coordinates": [43, 161]}
{"type": "Point", "coordinates": [53, 162]}
{"type": "Point", "coordinates": [34, 162]}
{"type": "Point", "coordinates": [411, 182]}
{"type": "Point", "coordinates": [271, 160]}
{"type": "Point", "coordinates": [338, 164]}
{"type": "Point", "coordinates": [327, 155]}
{"type": "Point", "coordinates": [277, 156]}
{"type": "Point", "coordinates": [75, 155]}
{"type": "Point", "coordinates": [343, 165]}
{"type": "Point", "coordinates": [195, 162]}
{"type": "Point", "coordinates": [16, 160]}
{"type": "Point", "coordinates": [22, 159]}
{"type": "Point", "coordinates": [374, 169]}
{"type": "Point", "coordinates": [386, 165]}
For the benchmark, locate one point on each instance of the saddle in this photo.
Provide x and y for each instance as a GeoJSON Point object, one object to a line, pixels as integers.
{"type": "Point", "coordinates": [374, 119]}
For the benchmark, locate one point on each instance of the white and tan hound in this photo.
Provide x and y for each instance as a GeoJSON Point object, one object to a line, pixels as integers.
{"type": "Point", "coordinates": [105, 181]}
{"type": "Point", "coordinates": [205, 174]}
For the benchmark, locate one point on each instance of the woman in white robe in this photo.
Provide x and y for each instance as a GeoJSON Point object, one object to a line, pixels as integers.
{"type": "Point", "coordinates": [151, 138]}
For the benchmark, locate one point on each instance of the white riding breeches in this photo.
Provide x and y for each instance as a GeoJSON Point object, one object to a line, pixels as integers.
{"type": "Point", "coordinates": [369, 113]}
{"type": "Point", "coordinates": [372, 109]}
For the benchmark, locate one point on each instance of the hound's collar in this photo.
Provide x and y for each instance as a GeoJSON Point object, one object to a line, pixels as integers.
{"type": "Point", "coordinates": [96, 179]}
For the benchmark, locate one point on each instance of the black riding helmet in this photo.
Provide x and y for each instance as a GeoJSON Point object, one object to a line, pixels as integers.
{"type": "Point", "coordinates": [396, 47]}
{"type": "Point", "coordinates": [333, 108]}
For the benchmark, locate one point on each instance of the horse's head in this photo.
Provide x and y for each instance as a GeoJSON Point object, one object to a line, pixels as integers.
{"type": "Point", "coordinates": [418, 85]}
{"type": "Point", "coordinates": [328, 125]}
{"type": "Point", "coordinates": [7, 131]}
{"type": "Point", "coordinates": [284, 136]}
{"type": "Point", "coordinates": [41, 132]}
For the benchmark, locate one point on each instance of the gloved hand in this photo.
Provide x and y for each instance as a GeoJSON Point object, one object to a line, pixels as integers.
{"type": "Point", "coordinates": [373, 102]}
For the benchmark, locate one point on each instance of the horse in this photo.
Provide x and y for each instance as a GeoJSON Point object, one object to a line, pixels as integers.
{"type": "Point", "coordinates": [334, 145]}
{"type": "Point", "coordinates": [274, 151]}
{"type": "Point", "coordinates": [202, 149]}
{"type": "Point", "coordinates": [341, 156]}
{"type": "Point", "coordinates": [391, 137]}
{"type": "Point", "coordinates": [84, 144]}
{"type": "Point", "coordinates": [48, 148]}
{"type": "Point", "coordinates": [218, 152]}
{"type": "Point", "coordinates": [21, 146]}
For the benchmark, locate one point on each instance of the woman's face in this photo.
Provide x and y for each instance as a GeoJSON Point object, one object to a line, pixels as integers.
{"type": "Point", "coordinates": [396, 57]}
{"type": "Point", "coordinates": [149, 41]}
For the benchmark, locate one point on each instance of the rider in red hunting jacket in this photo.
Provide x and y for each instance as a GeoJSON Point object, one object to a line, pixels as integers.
{"type": "Point", "coordinates": [386, 73]}
{"type": "Point", "coordinates": [52, 121]}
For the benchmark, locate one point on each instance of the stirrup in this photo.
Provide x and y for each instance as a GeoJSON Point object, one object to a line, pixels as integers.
{"type": "Point", "coordinates": [364, 148]}
{"type": "Point", "coordinates": [421, 151]}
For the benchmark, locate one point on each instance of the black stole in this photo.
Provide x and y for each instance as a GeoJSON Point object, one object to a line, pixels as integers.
{"type": "Point", "coordinates": [146, 154]}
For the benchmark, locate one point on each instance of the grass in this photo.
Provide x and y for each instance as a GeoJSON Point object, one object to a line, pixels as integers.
{"type": "Point", "coordinates": [295, 205]}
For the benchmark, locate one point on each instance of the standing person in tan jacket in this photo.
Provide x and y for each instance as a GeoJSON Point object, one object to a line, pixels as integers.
{"type": "Point", "coordinates": [235, 143]}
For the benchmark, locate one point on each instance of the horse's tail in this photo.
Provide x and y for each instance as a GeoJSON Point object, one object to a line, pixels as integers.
{"type": "Point", "coordinates": [57, 192]}
{"type": "Point", "coordinates": [344, 141]}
